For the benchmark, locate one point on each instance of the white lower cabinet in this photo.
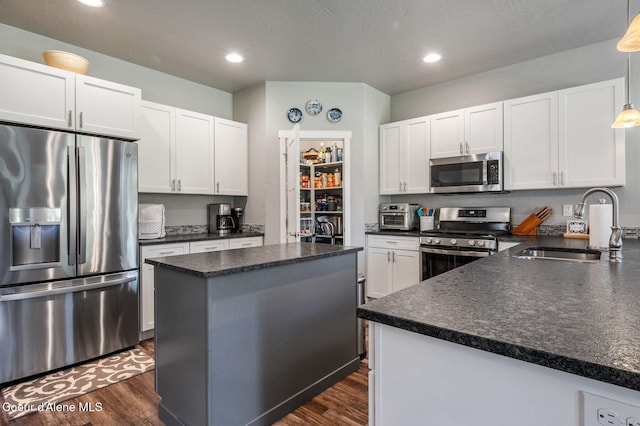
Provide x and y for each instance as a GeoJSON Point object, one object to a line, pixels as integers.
{"type": "Point", "coordinates": [393, 263]}
{"type": "Point", "coordinates": [146, 287]}
{"type": "Point", "coordinates": [147, 276]}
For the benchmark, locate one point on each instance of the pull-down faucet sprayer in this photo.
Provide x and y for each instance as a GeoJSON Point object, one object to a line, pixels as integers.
{"type": "Point", "coordinates": [615, 240]}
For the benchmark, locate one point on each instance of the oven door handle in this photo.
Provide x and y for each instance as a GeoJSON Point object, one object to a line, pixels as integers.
{"type": "Point", "coordinates": [470, 253]}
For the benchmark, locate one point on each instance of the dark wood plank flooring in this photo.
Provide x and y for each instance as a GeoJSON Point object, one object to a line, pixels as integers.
{"type": "Point", "coordinates": [134, 402]}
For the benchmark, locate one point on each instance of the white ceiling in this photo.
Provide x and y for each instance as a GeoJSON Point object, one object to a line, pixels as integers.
{"type": "Point", "coordinates": [378, 42]}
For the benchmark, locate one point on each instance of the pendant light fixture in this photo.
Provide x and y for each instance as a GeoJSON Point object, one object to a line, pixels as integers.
{"type": "Point", "coordinates": [628, 117]}
{"type": "Point", "coordinates": [630, 41]}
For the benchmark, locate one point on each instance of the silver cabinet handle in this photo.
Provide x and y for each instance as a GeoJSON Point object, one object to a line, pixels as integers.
{"type": "Point", "coordinates": [467, 146]}
{"type": "Point", "coordinates": [393, 257]}
{"type": "Point", "coordinates": [391, 242]}
{"type": "Point", "coordinates": [173, 184]}
{"type": "Point", "coordinates": [179, 184]}
{"type": "Point", "coordinates": [400, 189]}
{"type": "Point", "coordinates": [461, 148]}
{"type": "Point", "coordinates": [245, 244]}
{"type": "Point", "coordinates": [64, 290]}
{"type": "Point", "coordinates": [388, 256]}
{"type": "Point", "coordinates": [165, 253]}
{"type": "Point", "coordinates": [69, 118]}
{"type": "Point", "coordinates": [405, 187]}
{"type": "Point", "coordinates": [561, 178]}
{"type": "Point", "coordinates": [217, 187]}
{"type": "Point", "coordinates": [555, 179]}
{"type": "Point", "coordinates": [81, 121]}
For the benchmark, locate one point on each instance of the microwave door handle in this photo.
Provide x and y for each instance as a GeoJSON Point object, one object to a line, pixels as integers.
{"type": "Point", "coordinates": [72, 203]}
{"type": "Point", "coordinates": [82, 207]}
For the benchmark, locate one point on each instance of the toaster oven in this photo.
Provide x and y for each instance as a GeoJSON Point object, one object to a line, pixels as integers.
{"type": "Point", "coordinates": [398, 216]}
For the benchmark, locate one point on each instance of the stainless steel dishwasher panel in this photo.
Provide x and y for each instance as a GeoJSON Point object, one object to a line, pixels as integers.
{"type": "Point", "coordinates": [51, 325]}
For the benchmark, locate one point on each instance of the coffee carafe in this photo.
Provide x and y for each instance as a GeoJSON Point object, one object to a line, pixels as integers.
{"type": "Point", "coordinates": [237, 214]}
{"type": "Point", "coordinates": [220, 219]}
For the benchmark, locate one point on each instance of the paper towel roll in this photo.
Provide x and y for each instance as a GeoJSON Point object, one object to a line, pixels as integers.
{"type": "Point", "coordinates": [600, 221]}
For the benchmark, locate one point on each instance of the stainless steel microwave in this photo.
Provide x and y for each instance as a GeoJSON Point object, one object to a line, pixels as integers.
{"type": "Point", "coordinates": [467, 173]}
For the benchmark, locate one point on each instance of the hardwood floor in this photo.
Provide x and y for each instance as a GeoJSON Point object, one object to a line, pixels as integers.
{"type": "Point", "coordinates": [134, 402]}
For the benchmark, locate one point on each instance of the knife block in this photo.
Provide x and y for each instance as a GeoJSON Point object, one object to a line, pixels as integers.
{"type": "Point", "coordinates": [529, 226]}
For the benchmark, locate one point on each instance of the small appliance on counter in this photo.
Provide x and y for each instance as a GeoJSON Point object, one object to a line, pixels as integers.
{"type": "Point", "coordinates": [220, 218]}
{"type": "Point", "coordinates": [237, 213]}
{"type": "Point", "coordinates": [398, 216]}
{"type": "Point", "coordinates": [150, 221]}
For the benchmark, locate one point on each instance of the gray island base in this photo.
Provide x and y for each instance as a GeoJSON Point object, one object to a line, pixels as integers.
{"type": "Point", "coordinates": [246, 336]}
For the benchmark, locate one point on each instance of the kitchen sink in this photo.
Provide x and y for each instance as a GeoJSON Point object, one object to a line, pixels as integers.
{"type": "Point", "coordinates": [560, 253]}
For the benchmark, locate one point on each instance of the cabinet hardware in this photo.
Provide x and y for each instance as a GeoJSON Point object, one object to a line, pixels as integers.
{"type": "Point", "coordinates": [393, 257]}
{"type": "Point", "coordinates": [217, 187]}
{"type": "Point", "coordinates": [561, 178]}
{"type": "Point", "coordinates": [81, 125]}
{"type": "Point", "coordinates": [555, 179]}
{"type": "Point", "coordinates": [392, 242]}
{"type": "Point", "coordinates": [164, 253]}
{"type": "Point", "coordinates": [173, 184]}
{"type": "Point", "coordinates": [69, 119]}
{"type": "Point", "coordinates": [405, 187]}
{"type": "Point", "coordinates": [461, 148]}
{"type": "Point", "coordinates": [400, 189]}
{"type": "Point", "coordinates": [467, 146]}
{"type": "Point", "coordinates": [388, 256]}
{"type": "Point", "coordinates": [179, 184]}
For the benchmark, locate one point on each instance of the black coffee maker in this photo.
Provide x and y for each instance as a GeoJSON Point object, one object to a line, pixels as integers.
{"type": "Point", "coordinates": [237, 214]}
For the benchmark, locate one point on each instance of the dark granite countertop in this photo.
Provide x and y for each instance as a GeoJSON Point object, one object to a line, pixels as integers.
{"type": "Point", "coordinates": [198, 237]}
{"type": "Point", "coordinates": [225, 262]}
{"type": "Point", "coordinates": [580, 318]}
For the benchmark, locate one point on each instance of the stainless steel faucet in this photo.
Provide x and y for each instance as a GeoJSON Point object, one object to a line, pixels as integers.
{"type": "Point", "coordinates": [615, 239]}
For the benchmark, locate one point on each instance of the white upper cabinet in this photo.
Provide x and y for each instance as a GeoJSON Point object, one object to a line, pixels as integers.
{"type": "Point", "coordinates": [404, 157]}
{"type": "Point", "coordinates": [465, 131]}
{"type": "Point", "coordinates": [564, 139]}
{"type": "Point", "coordinates": [231, 157]}
{"type": "Point", "coordinates": [591, 153]}
{"type": "Point", "coordinates": [36, 94]}
{"type": "Point", "coordinates": [531, 142]}
{"type": "Point", "coordinates": [187, 152]}
{"type": "Point", "coordinates": [107, 108]}
{"type": "Point", "coordinates": [194, 155]}
{"type": "Point", "coordinates": [156, 148]}
{"type": "Point", "coordinates": [32, 93]}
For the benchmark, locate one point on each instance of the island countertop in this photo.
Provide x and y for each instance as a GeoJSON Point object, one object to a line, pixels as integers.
{"type": "Point", "coordinates": [225, 262]}
{"type": "Point", "coordinates": [580, 318]}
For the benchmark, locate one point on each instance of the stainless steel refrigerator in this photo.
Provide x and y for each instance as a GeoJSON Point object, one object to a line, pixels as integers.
{"type": "Point", "coordinates": [68, 249]}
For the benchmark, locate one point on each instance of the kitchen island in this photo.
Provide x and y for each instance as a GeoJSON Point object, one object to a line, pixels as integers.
{"type": "Point", "coordinates": [505, 341]}
{"type": "Point", "coordinates": [245, 336]}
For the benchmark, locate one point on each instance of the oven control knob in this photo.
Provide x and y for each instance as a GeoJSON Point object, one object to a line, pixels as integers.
{"type": "Point", "coordinates": [481, 243]}
{"type": "Point", "coordinates": [429, 240]}
{"type": "Point", "coordinates": [453, 241]}
{"type": "Point", "coordinates": [437, 241]}
{"type": "Point", "coordinates": [472, 243]}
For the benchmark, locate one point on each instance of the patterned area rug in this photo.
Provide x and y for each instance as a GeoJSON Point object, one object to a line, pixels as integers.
{"type": "Point", "coordinates": [40, 393]}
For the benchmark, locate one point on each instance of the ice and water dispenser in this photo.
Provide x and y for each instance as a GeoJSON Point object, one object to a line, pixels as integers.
{"type": "Point", "coordinates": [35, 237]}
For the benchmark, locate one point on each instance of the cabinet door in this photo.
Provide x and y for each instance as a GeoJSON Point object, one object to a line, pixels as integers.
{"type": "Point", "coordinates": [147, 288]}
{"type": "Point", "coordinates": [591, 152]}
{"type": "Point", "coordinates": [447, 134]}
{"type": "Point", "coordinates": [390, 152]}
{"type": "Point", "coordinates": [531, 142]}
{"type": "Point", "coordinates": [156, 167]}
{"type": "Point", "coordinates": [406, 269]}
{"type": "Point", "coordinates": [32, 93]}
{"type": "Point", "coordinates": [483, 129]}
{"type": "Point", "coordinates": [194, 153]}
{"type": "Point", "coordinates": [107, 108]}
{"type": "Point", "coordinates": [231, 158]}
{"type": "Point", "coordinates": [209, 245]}
{"type": "Point", "coordinates": [235, 243]}
{"type": "Point", "coordinates": [416, 156]}
{"type": "Point", "coordinates": [379, 275]}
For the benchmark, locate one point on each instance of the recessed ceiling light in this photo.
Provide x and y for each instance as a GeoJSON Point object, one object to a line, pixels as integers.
{"type": "Point", "coordinates": [432, 57]}
{"type": "Point", "coordinates": [92, 3]}
{"type": "Point", "coordinates": [234, 57]}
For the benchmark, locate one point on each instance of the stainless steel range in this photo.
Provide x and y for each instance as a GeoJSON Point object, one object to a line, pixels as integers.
{"type": "Point", "coordinates": [464, 234]}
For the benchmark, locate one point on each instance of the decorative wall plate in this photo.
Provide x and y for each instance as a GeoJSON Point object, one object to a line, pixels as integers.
{"type": "Point", "coordinates": [294, 115]}
{"type": "Point", "coordinates": [314, 107]}
{"type": "Point", "coordinates": [334, 115]}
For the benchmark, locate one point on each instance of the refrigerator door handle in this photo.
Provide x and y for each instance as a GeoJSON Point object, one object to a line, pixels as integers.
{"type": "Point", "coordinates": [82, 207]}
{"type": "Point", "coordinates": [72, 289]}
{"type": "Point", "coordinates": [72, 170]}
